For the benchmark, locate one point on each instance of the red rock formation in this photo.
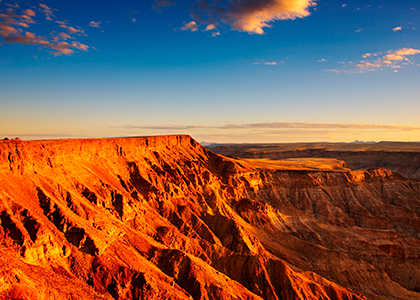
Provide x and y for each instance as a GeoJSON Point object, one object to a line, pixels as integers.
{"type": "Point", "coordinates": [164, 218]}
{"type": "Point", "coordinates": [400, 157]}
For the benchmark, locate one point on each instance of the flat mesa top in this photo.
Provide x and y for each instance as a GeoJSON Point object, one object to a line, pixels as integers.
{"type": "Point", "coordinates": [299, 164]}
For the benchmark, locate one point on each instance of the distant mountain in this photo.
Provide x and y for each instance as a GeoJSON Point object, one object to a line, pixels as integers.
{"type": "Point", "coordinates": [361, 142]}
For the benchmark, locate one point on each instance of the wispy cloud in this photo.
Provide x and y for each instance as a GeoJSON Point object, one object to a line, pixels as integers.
{"type": "Point", "coordinates": [278, 125]}
{"type": "Point", "coordinates": [267, 63]}
{"type": "Point", "coordinates": [14, 29]}
{"type": "Point", "coordinates": [397, 28]}
{"type": "Point", "coordinates": [48, 12]}
{"type": "Point", "coordinates": [406, 51]}
{"type": "Point", "coordinates": [279, 131]}
{"type": "Point", "coordinates": [192, 26]}
{"type": "Point", "coordinates": [393, 59]}
{"type": "Point", "coordinates": [159, 4]}
{"type": "Point", "coordinates": [95, 24]}
{"type": "Point", "coordinates": [71, 29]}
{"type": "Point", "coordinates": [29, 13]}
{"type": "Point", "coordinates": [244, 15]}
{"type": "Point", "coordinates": [165, 127]}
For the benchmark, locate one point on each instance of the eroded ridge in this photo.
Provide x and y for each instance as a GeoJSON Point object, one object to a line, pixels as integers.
{"type": "Point", "coordinates": [165, 218]}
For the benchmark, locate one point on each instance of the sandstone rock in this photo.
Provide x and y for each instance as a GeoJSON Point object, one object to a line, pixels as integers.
{"type": "Point", "coordinates": [400, 157]}
{"type": "Point", "coordinates": [165, 218]}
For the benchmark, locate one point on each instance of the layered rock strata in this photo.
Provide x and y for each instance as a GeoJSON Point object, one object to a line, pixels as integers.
{"type": "Point", "coordinates": [400, 157]}
{"type": "Point", "coordinates": [165, 218]}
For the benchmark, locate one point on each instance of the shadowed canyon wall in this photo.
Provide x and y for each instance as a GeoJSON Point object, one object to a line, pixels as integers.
{"type": "Point", "coordinates": [400, 157]}
{"type": "Point", "coordinates": [165, 218]}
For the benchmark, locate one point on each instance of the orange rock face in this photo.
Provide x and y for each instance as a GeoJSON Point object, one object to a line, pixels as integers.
{"type": "Point", "coordinates": [165, 218]}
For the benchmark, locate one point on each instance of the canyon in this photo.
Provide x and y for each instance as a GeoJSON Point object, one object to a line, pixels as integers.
{"type": "Point", "coordinates": [400, 157]}
{"type": "Point", "coordinates": [166, 218]}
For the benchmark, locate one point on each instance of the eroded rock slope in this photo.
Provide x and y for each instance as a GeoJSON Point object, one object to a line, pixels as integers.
{"type": "Point", "coordinates": [400, 157]}
{"type": "Point", "coordinates": [165, 218]}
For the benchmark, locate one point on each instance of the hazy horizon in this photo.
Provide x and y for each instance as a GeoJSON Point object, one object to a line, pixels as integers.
{"type": "Point", "coordinates": [202, 142]}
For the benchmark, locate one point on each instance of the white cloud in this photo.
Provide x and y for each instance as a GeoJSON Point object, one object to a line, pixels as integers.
{"type": "Point", "coordinates": [407, 51]}
{"type": "Point", "coordinates": [48, 12]}
{"type": "Point", "coordinates": [14, 28]}
{"type": "Point", "coordinates": [95, 24]}
{"type": "Point", "coordinates": [394, 59]}
{"type": "Point", "coordinates": [267, 63]}
{"type": "Point", "coordinates": [244, 15]}
{"type": "Point", "coordinates": [192, 26]}
{"type": "Point", "coordinates": [71, 29]}
{"type": "Point", "coordinates": [210, 27]}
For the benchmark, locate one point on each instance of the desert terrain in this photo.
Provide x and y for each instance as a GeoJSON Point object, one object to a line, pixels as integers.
{"type": "Point", "coordinates": [166, 218]}
{"type": "Point", "coordinates": [401, 157]}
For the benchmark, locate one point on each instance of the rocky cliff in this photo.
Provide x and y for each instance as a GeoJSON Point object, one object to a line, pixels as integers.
{"type": "Point", "coordinates": [165, 218]}
{"type": "Point", "coordinates": [400, 157]}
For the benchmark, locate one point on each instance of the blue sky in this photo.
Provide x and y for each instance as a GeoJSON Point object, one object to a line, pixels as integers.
{"type": "Point", "coordinates": [221, 71]}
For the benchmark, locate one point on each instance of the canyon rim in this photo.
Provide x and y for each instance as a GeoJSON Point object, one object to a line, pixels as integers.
{"type": "Point", "coordinates": [165, 218]}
